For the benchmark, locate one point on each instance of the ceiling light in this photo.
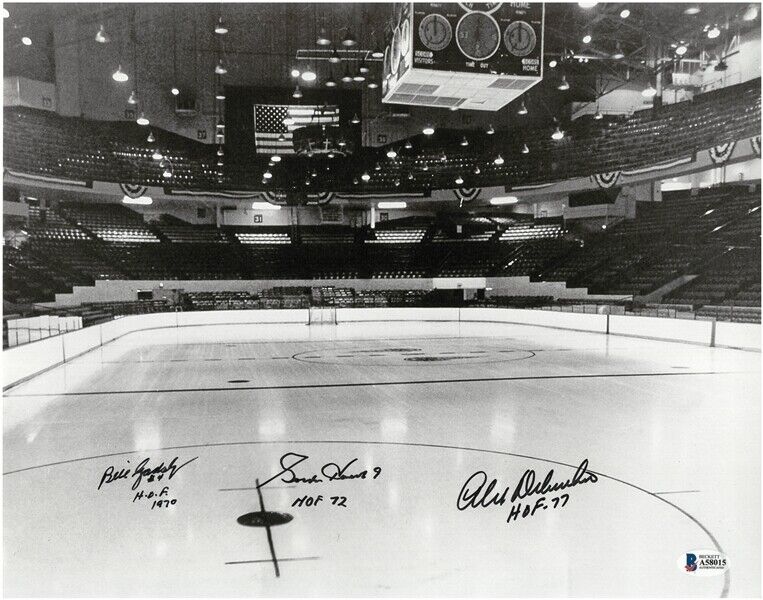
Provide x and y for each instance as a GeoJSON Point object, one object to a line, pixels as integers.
{"type": "Point", "coordinates": [119, 75]}
{"type": "Point", "coordinates": [297, 93]}
{"type": "Point", "coordinates": [410, 176]}
{"type": "Point", "coordinates": [267, 174]}
{"type": "Point", "coordinates": [221, 125]}
{"type": "Point", "coordinates": [341, 143]}
{"type": "Point", "coordinates": [563, 85]}
{"type": "Point", "coordinates": [618, 54]}
{"type": "Point", "coordinates": [459, 180]}
{"type": "Point", "coordinates": [649, 91]}
{"type": "Point", "coordinates": [522, 109]}
{"type": "Point", "coordinates": [308, 74]}
{"type": "Point", "coordinates": [355, 119]}
{"type": "Point", "coordinates": [713, 32]}
{"type": "Point", "coordinates": [220, 68]}
{"type": "Point", "coordinates": [142, 119]}
{"type": "Point", "coordinates": [275, 158]}
{"type": "Point", "coordinates": [464, 142]}
{"type": "Point", "coordinates": [553, 64]}
{"type": "Point", "coordinates": [220, 28]}
{"type": "Point", "coordinates": [502, 200]}
{"type": "Point", "coordinates": [26, 41]}
{"type": "Point", "coordinates": [598, 116]}
{"type": "Point", "coordinates": [167, 174]}
{"type": "Point", "coordinates": [220, 95]}
{"type": "Point", "coordinates": [331, 82]}
{"type": "Point", "coordinates": [363, 68]}
{"type": "Point", "coordinates": [323, 38]}
{"type": "Point", "coordinates": [490, 130]}
{"type": "Point", "coordinates": [377, 167]}
{"type": "Point", "coordinates": [101, 37]}
{"type": "Point", "coordinates": [587, 38]}
{"type": "Point", "coordinates": [157, 155]}
{"type": "Point", "coordinates": [587, 4]}
{"type": "Point", "coordinates": [425, 167]}
{"type": "Point", "coordinates": [558, 134]}
{"type": "Point", "coordinates": [295, 72]}
{"type": "Point", "coordinates": [140, 200]}
{"type": "Point", "coordinates": [408, 145]}
{"type": "Point", "coordinates": [265, 206]}
{"type": "Point", "coordinates": [133, 99]}
{"type": "Point", "coordinates": [392, 204]}
{"type": "Point", "coordinates": [377, 53]}
{"type": "Point", "coordinates": [365, 177]}
{"type": "Point", "coordinates": [347, 78]}
{"type": "Point", "coordinates": [220, 162]}
{"type": "Point", "coordinates": [372, 85]}
{"type": "Point", "coordinates": [335, 58]}
{"type": "Point", "coordinates": [220, 151]}
{"type": "Point", "coordinates": [525, 149]}
{"type": "Point", "coordinates": [150, 139]}
{"type": "Point", "coordinates": [625, 13]}
{"type": "Point", "coordinates": [359, 77]}
{"type": "Point", "coordinates": [692, 10]}
{"type": "Point", "coordinates": [498, 160]}
{"type": "Point", "coordinates": [428, 130]}
{"type": "Point", "coordinates": [391, 153]}
{"type": "Point", "coordinates": [175, 91]}
{"type": "Point", "coordinates": [477, 170]}
{"type": "Point", "coordinates": [349, 40]}
{"type": "Point", "coordinates": [681, 50]}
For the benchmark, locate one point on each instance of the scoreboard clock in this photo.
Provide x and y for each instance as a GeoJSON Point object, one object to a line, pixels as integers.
{"type": "Point", "coordinates": [481, 55]}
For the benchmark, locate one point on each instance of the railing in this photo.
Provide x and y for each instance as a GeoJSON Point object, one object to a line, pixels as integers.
{"type": "Point", "coordinates": [736, 314]}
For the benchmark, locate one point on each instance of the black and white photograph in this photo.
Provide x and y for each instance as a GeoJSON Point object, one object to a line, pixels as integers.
{"type": "Point", "coordinates": [375, 299]}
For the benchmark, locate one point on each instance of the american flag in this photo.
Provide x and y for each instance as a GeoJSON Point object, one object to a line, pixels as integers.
{"type": "Point", "coordinates": [272, 136]}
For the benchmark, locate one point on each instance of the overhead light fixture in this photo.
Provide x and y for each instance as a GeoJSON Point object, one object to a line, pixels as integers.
{"type": "Point", "coordinates": [459, 180]}
{"type": "Point", "coordinates": [490, 130]}
{"type": "Point", "coordinates": [365, 177]}
{"type": "Point", "coordinates": [363, 68]}
{"type": "Point", "coordinates": [308, 74]}
{"type": "Point", "coordinates": [372, 85]}
{"type": "Point", "coordinates": [150, 139]}
{"type": "Point", "coordinates": [220, 68]}
{"type": "Point", "coordinates": [587, 4]}
{"type": "Point", "coordinates": [625, 13]}
{"type": "Point", "coordinates": [359, 77]}
{"type": "Point", "coordinates": [694, 9]}
{"type": "Point", "coordinates": [377, 167]}
{"type": "Point", "coordinates": [295, 72]}
{"type": "Point", "coordinates": [297, 93]}
{"type": "Point", "coordinates": [347, 78]}
{"type": "Point", "coordinates": [553, 64]}
{"type": "Point", "coordinates": [394, 204]}
{"type": "Point", "coordinates": [587, 38]}
{"type": "Point", "coordinates": [477, 170]}
{"type": "Point", "coordinates": [425, 167]}
{"type": "Point", "coordinates": [27, 41]}
{"type": "Point", "coordinates": [220, 95]}
{"type": "Point", "coordinates": [391, 153]}
{"type": "Point", "coordinates": [597, 115]}
{"type": "Point", "coordinates": [498, 160]}
{"type": "Point", "coordinates": [503, 200]}
{"type": "Point", "coordinates": [525, 149]}
{"type": "Point", "coordinates": [323, 38]}
{"type": "Point", "coordinates": [133, 99]}
{"type": "Point", "coordinates": [681, 49]}
{"type": "Point", "coordinates": [464, 141]}
{"type": "Point", "coordinates": [618, 54]}
{"type": "Point", "coordinates": [558, 134]}
{"type": "Point", "coordinates": [220, 162]}
{"type": "Point", "coordinates": [331, 82]}
{"type": "Point", "coordinates": [140, 200]}
{"type": "Point", "coordinates": [157, 155]}
{"type": "Point", "coordinates": [167, 174]}
{"type": "Point", "coordinates": [335, 58]}
{"type": "Point", "coordinates": [119, 75]}
{"type": "Point", "coordinates": [221, 126]}
{"type": "Point", "coordinates": [408, 145]}
{"type": "Point", "coordinates": [349, 40]}
{"type": "Point", "coordinates": [428, 130]}
{"type": "Point", "coordinates": [220, 28]}
{"type": "Point", "coordinates": [355, 119]}
{"type": "Point", "coordinates": [281, 137]}
{"type": "Point", "coordinates": [220, 151]}
{"type": "Point", "coordinates": [175, 91]}
{"type": "Point", "coordinates": [443, 157]}
{"type": "Point", "coordinates": [563, 85]}
{"type": "Point", "coordinates": [453, 108]}
{"type": "Point", "coordinates": [341, 143]}
{"type": "Point", "coordinates": [142, 119]}
{"type": "Point", "coordinates": [649, 91]}
{"type": "Point", "coordinates": [522, 109]}
{"type": "Point", "coordinates": [410, 176]}
{"type": "Point", "coordinates": [261, 205]}
{"type": "Point", "coordinates": [713, 32]}
{"type": "Point", "coordinates": [101, 37]}
{"type": "Point", "coordinates": [267, 174]}
{"type": "Point", "coordinates": [276, 158]}
{"type": "Point", "coordinates": [377, 53]}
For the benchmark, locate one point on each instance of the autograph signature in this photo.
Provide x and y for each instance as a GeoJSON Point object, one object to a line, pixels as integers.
{"type": "Point", "coordinates": [478, 493]}
{"type": "Point", "coordinates": [329, 471]}
{"type": "Point", "coordinates": [143, 469]}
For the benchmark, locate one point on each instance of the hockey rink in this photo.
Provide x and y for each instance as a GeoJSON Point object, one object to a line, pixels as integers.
{"type": "Point", "coordinates": [395, 424]}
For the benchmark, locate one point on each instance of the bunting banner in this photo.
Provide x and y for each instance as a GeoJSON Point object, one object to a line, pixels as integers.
{"type": "Point", "coordinates": [606, 180]}
{"type": "Point", "coordinates": [467, 194]}
{"type": "Point", "coordinates": [720, 154]}
{"type": "Point", "coordinates": [133, 190]}
{"type": "Point", "coordinates": [755, 144]}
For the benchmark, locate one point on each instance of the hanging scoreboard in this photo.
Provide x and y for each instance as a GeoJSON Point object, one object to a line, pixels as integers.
{"type": "Point", "coordinates": [470, 55]}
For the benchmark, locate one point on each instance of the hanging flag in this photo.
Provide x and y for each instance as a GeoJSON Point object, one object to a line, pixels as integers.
{"type": "Point", "coordinates": [606, 180]}
{"type": "Point", "coordinates": [273, 136]}
{"type": "Point", "coordinates": [720, 154]}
